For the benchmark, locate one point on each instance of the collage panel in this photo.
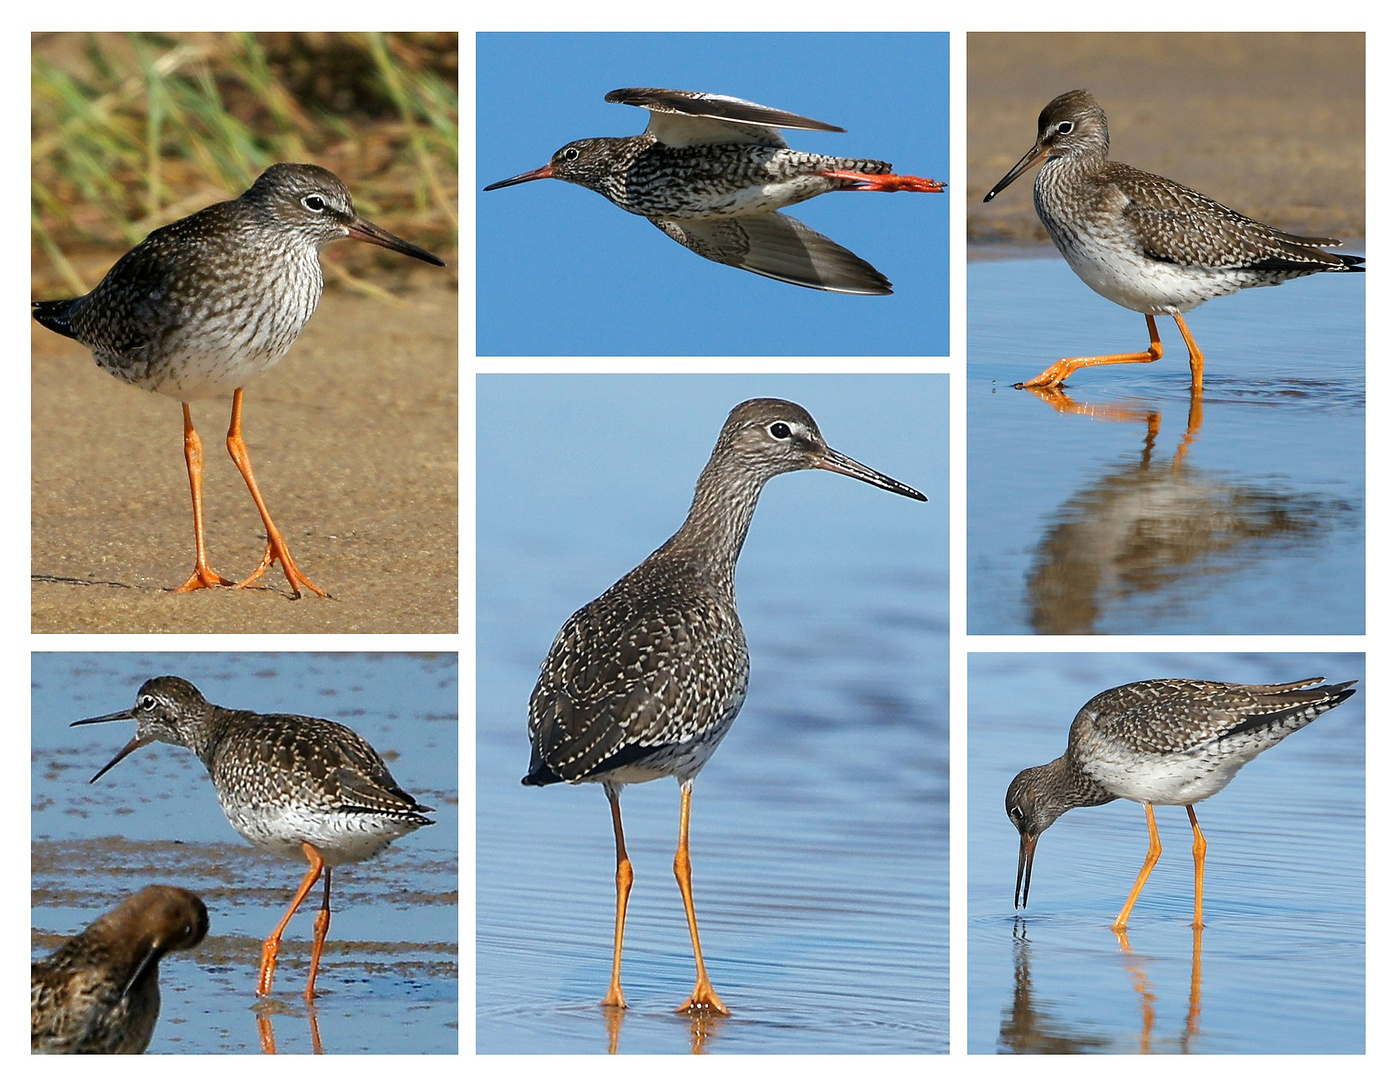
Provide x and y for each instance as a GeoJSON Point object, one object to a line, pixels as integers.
{"type": "Point", "coordinates": [172, 864]}
{"type": "Point", "coordinates": [705, 250]}
{"type": "Point", "coordinates": [190, 195]}
{"type": "Point", "coordinates": [1137, 497]}
{"type": "Point", "coordinates": [1278, 965]}
{"type": "Point", "coordinates": [819, 830]}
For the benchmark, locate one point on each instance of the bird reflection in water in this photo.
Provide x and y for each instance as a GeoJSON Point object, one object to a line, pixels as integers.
{"type": "Point", "coordinates": [1143, 527]}
{"type": "Point", "coordinates": [702, 1027]}
{"type": "Point", "coordinates": [268, 1039]}
{"type": "Point", "coordinates": [1141, 984]}
{"type": "Point", "coordinates": [1031, 1027]}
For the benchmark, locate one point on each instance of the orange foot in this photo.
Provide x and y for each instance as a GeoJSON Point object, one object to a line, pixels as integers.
{"type": "Point", "coordinates": [277, 551]}
{"type": "Point", "coordinates": [704, 1000]}
{"type": "Point", "coordinates": [614, 998]}
{"type": "Point", "coordinates": [268, 968]}
{"type": "Point", "coordinates": [203, 578]}
{"type": "Point", "coordinates": [1050, 378]}
{"type": "Point", "coordinates": [885, 181]}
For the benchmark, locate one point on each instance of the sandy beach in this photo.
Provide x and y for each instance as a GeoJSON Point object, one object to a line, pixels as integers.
{"type": "Point", "coordinates": [353, 437]}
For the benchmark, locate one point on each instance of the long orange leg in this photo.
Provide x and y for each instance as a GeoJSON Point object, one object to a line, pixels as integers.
{"type": "Point", "coordinates": [322, 927]}
{"type": "Point", "coordinates": [884, 181]}
{"type": "Point", "coordinates": [623, 891]}
{"type": "Point", "coordinates": [277, 551]}
{"type": "Point", "coordinates": [273, 942]}
{"type": "Point", "coordinates": [1199, 848]}
{"type": "Point", "coordinates": [704, 996]}
{"type": "Point", "coordinates": [1152, 855]}
{"type": "Point", "coordinates": [1055, 373]}
{"type": "Point", "coordinates": [1196, 356]}
{"type": "Point", "coordinates": [1196, 983]}
{"type": "Point", "coordinates": [203, 577]}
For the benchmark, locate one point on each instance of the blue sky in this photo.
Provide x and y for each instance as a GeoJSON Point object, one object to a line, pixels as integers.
{"type": "Point", "coordinates": [561, 271]}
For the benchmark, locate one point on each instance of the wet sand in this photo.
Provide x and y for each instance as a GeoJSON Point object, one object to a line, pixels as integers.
{"type": "Point", "coordinates": [353, 437]}
{"type": "Point", "coordinates": [1269, 124]}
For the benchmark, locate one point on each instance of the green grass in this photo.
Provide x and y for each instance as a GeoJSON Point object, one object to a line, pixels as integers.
{"type": "Point", "coordinates": [130, 132]}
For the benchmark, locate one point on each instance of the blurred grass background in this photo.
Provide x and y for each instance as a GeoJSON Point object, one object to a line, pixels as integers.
{"type": "Point", "coordinates": [132, 131]}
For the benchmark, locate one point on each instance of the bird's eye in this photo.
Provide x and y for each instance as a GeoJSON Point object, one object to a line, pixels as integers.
{"type": "Point", "coordinates": [313, 203]}
{"type": "Point", "coordinates": [570, 154]}
{"type": "Point", "coordinates": [1016, 814]}
{"type": "Point", "coordinates": [147, 702]}
{"type": "Point", "coordinates": [1065, 127]}
{"type": "Point", "coordinates": [780, 430]}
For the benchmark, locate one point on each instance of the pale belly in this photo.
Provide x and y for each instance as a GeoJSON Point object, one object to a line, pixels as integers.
{"type": "Point", "coordinates": [339, 837]}
{"type": "Point", "coordinates": [193, 375]}
{"type": "Point", "coordinates": [1176, 780]}
{"type": "Point", "coordinates": [1150, 286]}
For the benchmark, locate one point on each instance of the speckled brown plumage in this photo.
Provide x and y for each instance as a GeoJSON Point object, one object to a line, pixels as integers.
{"type": "Point", "coordinates": [711, 172]}
{"type": "Point", "coordinates": [99, 992]}
{"type": "Point", "coordinates": [209, 302]}
{"type": "Point", "coordinates": [647, 679]}
{"type": "Point", "coordinates": [1145, 242]}
{"type": "Point", "coordinates": [1171, 742]}
{"type": "Point", "coordinates": [294, 786]}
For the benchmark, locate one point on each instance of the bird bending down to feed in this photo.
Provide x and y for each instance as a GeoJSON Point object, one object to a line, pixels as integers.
{"type": "Point", "coordinates": [646, 680]}
{"type": "Point", "coordinates": [1145, 242]}
{"type": "Point", "coordinates": [99, 992]}
{"type": "Point", "coordinates": [1166, 742]}
{"type": "Point", "coordinates": [294, 786]}
{"type": "Point", "coordinates": [203, 305]}
{"type": "Point", "coordinates": [712, 172]}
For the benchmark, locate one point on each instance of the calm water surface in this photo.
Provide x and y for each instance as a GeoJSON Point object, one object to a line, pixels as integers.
{"type": "Point", "coordinates": [1280, 965]}
{"type": "Point", "coordinates": [819, 829]}
{"type": "Point", "coordinates": [388, 979]}
{"type": "Point", "coordinates": [1138, 516]}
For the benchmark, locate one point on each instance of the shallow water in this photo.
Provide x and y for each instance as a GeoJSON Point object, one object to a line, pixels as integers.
{"type": "Point", "coordinates": [819, 829]}
{"type": "Point", "coordinates": [1280, 963]}
{"type": "Point", "coordinates": [388, 980]}
{"type": "Point", "coordinates": [1138, 515]}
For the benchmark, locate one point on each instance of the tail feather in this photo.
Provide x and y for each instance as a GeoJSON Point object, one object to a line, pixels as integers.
{"type": "Point", "coordinates": [54, 315]}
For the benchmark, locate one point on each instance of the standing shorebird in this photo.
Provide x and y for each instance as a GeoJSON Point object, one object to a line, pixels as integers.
{"type": "Point", "coordinates": [1145, 242]}
{"type": "Point", "coordinates": [647, 679]}
{"type": "Point", "coordinates": [204, 304]}
{"type": "Point", "coordinates": [99, 993]}
{"type": "Point", "coordinates": [294, 786]}
{"type": "Point", "coordinates": [711, 172]}
{"type": "Point", "coordinates": [1167, 742]}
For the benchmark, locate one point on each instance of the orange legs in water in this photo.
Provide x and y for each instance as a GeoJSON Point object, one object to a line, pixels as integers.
{"type": "Point", "coordinates": [1153, 855]}
{"type": "Point", "coordinates": [1199, 848]}
{"type": "Point", "coordinates": [623, 890]}
{"type": "Point", "coordinates": [704, 999]}
{"type": "Point", "coordinates": [272, 945]}
{"type": "Point", "coordinates": [1056, 373]}
{"type": "Point", "coordinates": [277, 550]}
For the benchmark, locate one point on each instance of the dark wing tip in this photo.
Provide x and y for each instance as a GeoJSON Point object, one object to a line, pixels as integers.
{"type": "Point", "coordinates": [716, 107]}
{"type": "Point", "coordinates": [53, 315]}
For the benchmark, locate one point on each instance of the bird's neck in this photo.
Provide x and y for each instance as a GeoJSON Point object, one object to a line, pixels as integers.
{"type": "Point", "coordinates": [1070, 787]}
{"type": "Point", "coordinates": [204, 737]}
{"type": "Point", "coordinates": [712, 536]}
